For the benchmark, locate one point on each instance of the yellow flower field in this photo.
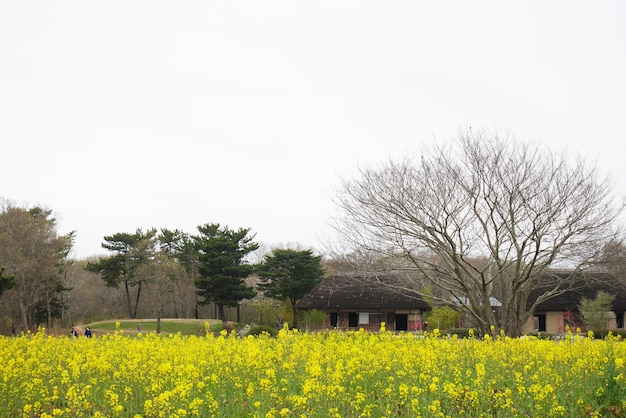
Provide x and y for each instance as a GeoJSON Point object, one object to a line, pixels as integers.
{"type": "Point", "coordinates": [329, 374]}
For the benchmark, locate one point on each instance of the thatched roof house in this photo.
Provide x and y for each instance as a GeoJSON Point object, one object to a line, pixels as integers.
{"type": "Point", "coordinates": [560, 311]}
{"type": "Point", "coordinates": [583, 286]}
{"type": "Point", "coordinates": [354, 301]}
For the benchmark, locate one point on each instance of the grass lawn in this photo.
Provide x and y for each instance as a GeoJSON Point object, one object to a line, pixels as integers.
{"type": "Point", "coordinates": [168, 326]}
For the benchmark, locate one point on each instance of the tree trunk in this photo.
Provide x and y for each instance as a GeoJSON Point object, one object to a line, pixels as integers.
{"type": "Point", "coordinates": [294, 310]}
{"type": "Point", "coordinates": [48, 311]}
{"type": "Point", "coordinates": [137, 300]}
{"type": "Point", "coordinates": [24, 315]}
{"type": "Point", "coordinates": [221, 314]}
{"type": "Point", "coordinates": [130, 309]}
{"type": "Point", "coordinates": [63, 314]}
{"type": "Point", "coordinates": [158, 327]}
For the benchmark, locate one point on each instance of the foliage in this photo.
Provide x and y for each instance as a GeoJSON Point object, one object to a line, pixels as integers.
{"type": "Point", "coordinates": [609, 333]}
{"type": "Point", "coordinates": [290, 274]}
{"type": "Point", "coordinates": [6, 281]}
{"type": "Point", "coordinates": [222, 267]}
{"type": "Point", "coordinates": [257, 330]}
{"type": "Point", "coordinates": [130, 252]}
{"type": "Point", "coordinates": [263, 311]}
{"type": "Point", "coordinates": [332, 374]}
{"type": "Point", "coordinates": [484, 217]}
{"type": "Point", "coordinates": [218, 327]}
{"type": "Point", "coordinates": [314, 319]}
{"type": "Point", "coordinates": [181, 247]}
{"type": "Point", "coordinates": [443, 317]}
{"type": "Point", "coordinates": [287, 312]}
{"type": "Point", "coordinates": [596, 312]}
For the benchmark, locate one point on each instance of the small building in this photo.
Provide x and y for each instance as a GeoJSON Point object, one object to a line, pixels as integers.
{"type": "Point", "coordinates": [356, 301]}
{"type": "Point", "coordinates": [559, 312]}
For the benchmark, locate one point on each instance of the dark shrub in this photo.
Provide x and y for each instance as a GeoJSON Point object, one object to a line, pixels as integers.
{"type": "Point", "coordinates": [601, 334]}
{"type": "Point", "coordinates": [459, 332]}
{"type": "Point", "coordinates": [542, 335]}
{"type": "Point", "coordinates": [260, 329]}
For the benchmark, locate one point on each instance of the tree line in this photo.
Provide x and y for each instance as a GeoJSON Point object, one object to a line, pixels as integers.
{"type": "Point", "coordinates": [163, 266]}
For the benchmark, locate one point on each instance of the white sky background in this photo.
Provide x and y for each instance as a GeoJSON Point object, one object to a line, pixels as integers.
{"type": "Point", "coordinates": [121, 115]}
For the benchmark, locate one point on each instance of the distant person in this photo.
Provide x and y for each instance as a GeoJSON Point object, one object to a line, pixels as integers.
{"type": "Point", "coordinates": [74, 333]}
{"type": "Point", "coordinates": [88, 332]}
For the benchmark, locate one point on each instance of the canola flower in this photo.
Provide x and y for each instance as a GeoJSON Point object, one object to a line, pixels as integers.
{"type": "Point", "coordinates": [328, 374]}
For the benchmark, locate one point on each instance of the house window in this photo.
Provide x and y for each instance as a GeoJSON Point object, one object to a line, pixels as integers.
{"type": "Point", "coordinates": [402, 322]}
{"type": "Point", "coordinates": [353, 319]}
{"type": "Point", "coordinates": [334, 319]}
{"type": "Point", "coordinates": [540, 322]}
{"type": "Point", "coordinates": [364, 318]}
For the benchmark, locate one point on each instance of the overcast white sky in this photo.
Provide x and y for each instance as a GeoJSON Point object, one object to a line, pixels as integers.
{"type": "Point", "coordinates": [121, 115]}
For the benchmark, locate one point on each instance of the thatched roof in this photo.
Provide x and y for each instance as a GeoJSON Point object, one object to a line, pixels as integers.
{"type": "Point", "coordinates": [359, 293]}
{"type": "Point", "coordinates": [585, 285]}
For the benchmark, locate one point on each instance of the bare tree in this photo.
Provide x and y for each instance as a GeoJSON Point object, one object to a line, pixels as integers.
{"type": "Point", "coordinates": [88, 298]}
{"type": "Point", "coordinates": [613, 260]}
{"type": "Point", "coordinates": [161, 274]}
{"type": "Point", "coordinates": [485, 217]}
{"type": "Point", "coordinates": [180, 247]}
{"type": "Point", "coordinates": [184, 303]}
{"type": "Point", "coordinates": [34, 254]}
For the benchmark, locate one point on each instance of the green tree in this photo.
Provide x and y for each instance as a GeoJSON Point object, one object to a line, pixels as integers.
{"type": "Point", "coordinates": [314, 319]}
{"type": "Point", "coordinates": [6, 281]}
{"type": "Point", "coordinates": [596, 312]}
{"type": "Point", "coordinates": [290, 274]}
{"type": "Point", "coordinates": [130, 252]}
{"type": "Point", "coordinates": [443, 317]}
{"type": "Point", "coordinates": [263, 311]}
{"type": "Point", "coordinates": [222, 267]}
